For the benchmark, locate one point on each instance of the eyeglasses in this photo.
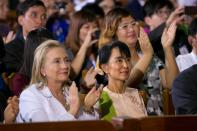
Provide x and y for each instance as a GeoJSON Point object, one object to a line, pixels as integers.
{"type": "Point", "coordinates": [161, 13]}
{"type": "Point", "coordinates": [129, 25]}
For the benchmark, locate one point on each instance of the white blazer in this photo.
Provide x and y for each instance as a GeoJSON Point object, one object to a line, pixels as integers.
{"type": "Point", "coordinates": [39, 105]}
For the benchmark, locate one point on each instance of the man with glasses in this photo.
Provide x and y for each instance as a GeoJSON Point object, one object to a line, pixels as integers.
{"type": "Point", "coordinates": [157, 12]}
{"type": "Point", "coordinates": [158, 15]}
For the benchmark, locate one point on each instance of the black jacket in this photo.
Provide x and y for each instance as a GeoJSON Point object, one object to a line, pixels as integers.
{"type": "Point", "coordinates": [184, 91]}
{"type": "Point", "coordinates": [155, 39]}
{"type": "Point", "coordinates": [14, 53]}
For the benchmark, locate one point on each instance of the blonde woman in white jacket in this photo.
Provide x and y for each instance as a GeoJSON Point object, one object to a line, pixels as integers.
{"type": "Point", "coordinates": [49, 96]}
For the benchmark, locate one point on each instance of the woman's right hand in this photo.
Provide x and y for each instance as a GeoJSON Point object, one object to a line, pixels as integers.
{"type": "Point", "coordinates": [74, 100]}
{"type": "Point", "coordinates": [177, 14]}
{"type": "Point", "coordinates": [144, 61]}
{"type": "Point", "coordinates": [92, 97]}
{"type": "Point", "coordinates": [145, 44]}
{"type": "Point", "coordinates": [168, 35]}
{"type": "Point", "coordinates": [88, 40]}
{"type": "Point", "coordinates": [89, 78]}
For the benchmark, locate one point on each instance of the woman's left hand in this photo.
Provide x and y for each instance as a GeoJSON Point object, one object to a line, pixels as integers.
{"type": "Point", "coordinates": [92, 97]}
{"type": "Point", "coordinates": [74, 99]}
{"type": "Point", "coordinates": [169, 35]}
{"type": "Point", "coordinates": [144, 42]}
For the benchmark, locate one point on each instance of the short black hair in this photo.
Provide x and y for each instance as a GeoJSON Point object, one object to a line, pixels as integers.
{"type": "Point", "coordinates": [24, 6]}
{"type": "Point", "coordinates": [192, 29]}
{"type": "Point", "coordinates": [105, 51]}
{"type": "Point", "coordinates": [93, 7]}
{"type": "Point", "coordinates": [152, 6]}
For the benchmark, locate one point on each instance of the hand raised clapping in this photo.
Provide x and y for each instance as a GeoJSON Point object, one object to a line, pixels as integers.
{"type": "Point", "coordinates": [177, 14]}
{"type": "Point", "coordinates": [169, 35]}
{"type": "Point", "coordinates": [88, 40]}
{"type": "Point", "coordinates": [11, 110]}
{"type": "Point", "coordinates": [144, 42]}
{"type": "Point", "coordinates": [92, 97]}
{"type": "Point", "coordinates": [89, 77]}
{"type": "Point", "coordinates": [74, 100]}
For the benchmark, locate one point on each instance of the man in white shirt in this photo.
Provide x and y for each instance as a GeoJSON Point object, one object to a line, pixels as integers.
{"type": "Point", "coordinates": [187, 60]}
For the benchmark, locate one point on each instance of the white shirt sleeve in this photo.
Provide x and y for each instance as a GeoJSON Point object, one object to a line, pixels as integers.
{"type": "Point", "coordinates": [34, 107]}
{"type": "Point", "coordinates": [31, 109]}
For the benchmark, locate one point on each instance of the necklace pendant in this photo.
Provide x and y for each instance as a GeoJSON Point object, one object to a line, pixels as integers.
{"type": "Point", "coordinates": [67, 106]}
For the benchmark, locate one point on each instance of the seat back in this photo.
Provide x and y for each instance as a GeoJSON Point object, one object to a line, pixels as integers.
{"type": "Point", "coordinates": [60, 126]}
{"type": "Point", "coordinates": [165, 123]}
{"type": "Point", "coordinates": [168, 107]}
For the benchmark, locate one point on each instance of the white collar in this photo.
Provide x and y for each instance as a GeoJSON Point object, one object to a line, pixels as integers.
{"type": "Point", "coordinates": [46, 92]}
{"type": "Point", "coordinates": [193, 55]}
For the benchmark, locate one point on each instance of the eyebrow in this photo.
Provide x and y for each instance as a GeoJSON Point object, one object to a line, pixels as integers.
{"type": "Point", "coordinates": [66, 57]}
{"type": "Point", "coordinates": [121, 57]}
{"type": "Point", "coordinates": [128, 22]}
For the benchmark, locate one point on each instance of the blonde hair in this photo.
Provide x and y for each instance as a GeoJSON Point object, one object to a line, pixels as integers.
{"type": "Point", "coordinates": [39, 60]}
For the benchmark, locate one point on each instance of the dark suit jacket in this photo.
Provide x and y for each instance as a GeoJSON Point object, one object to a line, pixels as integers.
{"type": "Point", "coordinates": [14, 54]}
{"type": "Point", "coordinates": [184, 91]}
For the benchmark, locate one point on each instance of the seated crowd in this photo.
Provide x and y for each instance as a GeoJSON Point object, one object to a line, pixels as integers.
{"type": "Point", "coordinates": [70, 61]}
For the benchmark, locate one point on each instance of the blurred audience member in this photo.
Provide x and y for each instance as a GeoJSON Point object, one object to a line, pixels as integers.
{"type": "Point", "coordinates": [187, 60]}
{"type": "Point", "coordinates": [50, 6]}
{"type": "Point", "coordinates": [58, 20]}
{"type": "Point", "coordinates": [82, 43]}
{"type": "Point", "coordinates": [93, 7]}
{"type": "Point", "coordinates": [31, 15]}
{"type": "Point", "coordinates": [4, 23]}
{"type": "Point", "coordinates": [158, 15]}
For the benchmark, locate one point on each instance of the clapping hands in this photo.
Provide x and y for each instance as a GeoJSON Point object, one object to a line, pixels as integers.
{"type": "Point", "coordinates": [92, 97]}
{"type": "Point", "coordinates": [88, 42]}
{"type": "Point", "coordinates": [74, 100]}
{"type": "Point", "coordinates": [168, 35]}
{"type": "Point", "coordinates": [144, 42]}
{"type": "Point", "coordinates": [11, 110]}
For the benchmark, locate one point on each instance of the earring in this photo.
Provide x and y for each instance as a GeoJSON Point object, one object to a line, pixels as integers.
{"type": "Point", "coordinates": [44, 80]}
